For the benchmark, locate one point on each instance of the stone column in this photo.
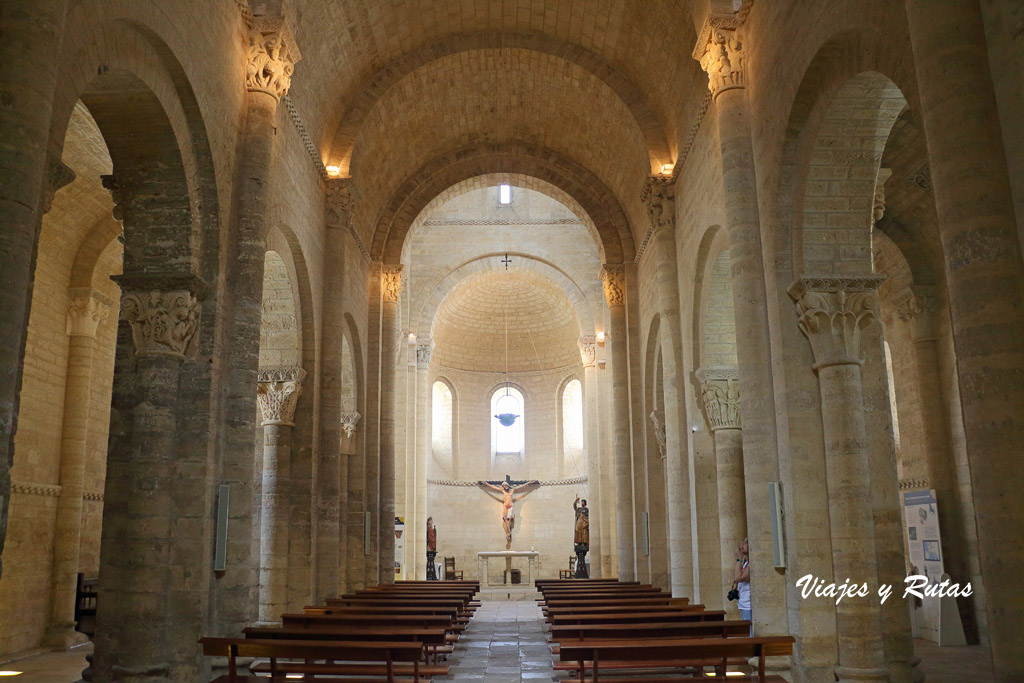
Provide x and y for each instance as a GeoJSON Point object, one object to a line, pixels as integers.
{"type": "Point", "coordinates": [86, 310]}
{"type": "Point", "coordinates": [721, 55]}
{"type": "Point", "coordinates": [390, 288]}
{"type": "Point", "coordinates": [272, 55]}
{"type": "Point", "coordinates": [659, 198]}
{"type": "Point", "coordinates": [29, 53]}
{"type": "Point", "coordinates": [332, 474]}
{"type": "Point", "coordinates": [833, 313]}
{"type": "Point", "coordinates": [278, 392]}
{"type": "Point", "coordinates": [588, 355]}
{"type": "Point", "coordinates": [147, 555]}
{"type": "Point", "coordinates": [423, 445]}
{"type": "Point", "coordinates": [720, 393]}
{"type": "Point", "coordinates": [614, 278]}
{"type": "Point", "coordinates": [985, 287]}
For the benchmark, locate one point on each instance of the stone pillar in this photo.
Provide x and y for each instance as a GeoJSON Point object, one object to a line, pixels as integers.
{"type": "Point", "coordinates": [833, 313]}
{"type": "Point", "coordinates": [29, 52]}
{"type": "Point", "coordinates": [720, 393]}
{"type": "Point", "coordinates": [721, 55]}
{"type": "Point", "coordinates": [423, 445]}
{"type": "Point", "coordinates": [86, 310]}
{"type": "Point", "coordinates": [331, 485]}
{"type": "Point", "coordinates": [659, 198]}
{"type": "Point", "coordinates": [588, 355]}
{"type": "Point", "coordinates": [147, 556]}
{"type": "Point", "coordinates": [351, 566]}
{"type": "Point", "coordinates": [390, 288]}
{"type": "Point", "coordinates": [272, 54]}
{"type": "Point", "coordinates": [614, 278]}
{"type": "Point", "coordinates": [278, 392]}
{"type": "Point", "coordinates": [985, 287]}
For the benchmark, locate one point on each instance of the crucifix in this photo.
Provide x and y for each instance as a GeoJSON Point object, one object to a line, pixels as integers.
{"type": "Point", "coordinates": [508, 489]}
{"type": "Point", "coordinates": [506, 261]}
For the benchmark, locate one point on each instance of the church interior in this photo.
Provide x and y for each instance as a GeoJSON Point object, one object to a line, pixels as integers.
{"type": "Point", "coordinates": [600, 288]}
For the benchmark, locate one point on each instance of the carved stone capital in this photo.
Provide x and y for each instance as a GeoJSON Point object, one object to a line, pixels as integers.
{"type": "Point", "coordinates": [164, 323]}
{"type": "Point", "coordinates": [658, 425]}
{"type": "Point", "coordinates": [342, 196]}
{"type": "Point", "coordinates": [273, 55]}
{"type": "Point", "coordinates": [391, 282]}
{"type": "Point", "coordinates": [833, 313]}
{"type": "Point", "coordinates": [588, 351]}
{"type": "Point", "coordinates": [278, 391]}
{"type": "Point", "coordinates": [613, 276]}
{"type": "Point", "coordinates": [917, 306]}
{"type": "Point", "coordinates": [87, 308]}
{"type": "Point", "coordinates": [720, 393]}
{"type": "Point", "coordinates": [58, 175]}
{"type": "Point", "coordinates": [423, 352]}
{"type": "Point", "coordinates": [659, 196]}
{"type": "Point", "coordinates": [348, 424]}
{"type": "Point", "coordinates": [720, 53]}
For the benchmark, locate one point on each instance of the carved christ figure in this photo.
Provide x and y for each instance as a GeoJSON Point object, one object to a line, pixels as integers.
{"type": "Point", "coordinates": [508, 499]}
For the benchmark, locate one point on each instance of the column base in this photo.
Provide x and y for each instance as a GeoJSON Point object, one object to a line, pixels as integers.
{"type": "Point", "coordinates": [849, 673]}
{"type": "Point", "coordinates": [63, 636]}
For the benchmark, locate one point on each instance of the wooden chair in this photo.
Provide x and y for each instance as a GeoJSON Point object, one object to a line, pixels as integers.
{"type": "Point", "coordinates": [571, 571]}
{"type": "Point", "coordinates": [449, 570]}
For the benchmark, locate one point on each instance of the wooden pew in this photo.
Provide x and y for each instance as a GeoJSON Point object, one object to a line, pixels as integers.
{"type": "Point", "coordinates": [570, 618]}
{"type": "Point", "coordinates": [370, 619]}
{"type": "Point", "coordinates": [394, 609]}
{"type": "Point", "coordinates": [591, 655]}
{"type": "Point", "coordinates": [651, 629]}
{"type": "Point", "coordinates": [370, 660]}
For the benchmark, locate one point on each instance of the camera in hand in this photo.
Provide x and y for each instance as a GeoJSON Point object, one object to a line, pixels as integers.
{"type": "Point", "coordinates": [734, 594]}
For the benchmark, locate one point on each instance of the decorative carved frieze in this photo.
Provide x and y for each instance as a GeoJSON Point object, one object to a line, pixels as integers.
{"type": "Point", "coordinates": [917, 306]}
{"type": "Point", "coordinates": [391, 282]}
{"type": "Point", "coordinates": [658, 423]}
{"type": "Point", "coordinates": [720, 393]}
{"type": "Point", "coordinates": [163, 323]}
{"type": "Point", "coordinates": [30, 489]}
{"type": "Point", "coordinates": [720, 53]}
{"type": "Point", "coordinates": [348, 424]}
{"type": "Point", "coordinates": [278, 391]}
{"type": "Point", "coordinates": [613, 276]}
{"type": "Point", "coordinates": [659, 196]}
{"type": "Point", "coordinates": [87, 308]}
{"type": "Point", "coordinates": [58, 175]}
{"type": "Point", "coordinates": [423, 352]}
{"type": "Point", "coordinates": [588, 351]}
{"type": "Point", "coordinates": [833, 312]}
{"type": "Point", "coordinates": [272, 56]}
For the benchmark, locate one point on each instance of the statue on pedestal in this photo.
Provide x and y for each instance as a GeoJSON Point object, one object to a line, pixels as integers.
{"type": "Point", "coordinates": [431, 549]}
{"type": "Point", "coordinates": [507, 491]}
{"type": "Point", "coordinates": [581, 537]}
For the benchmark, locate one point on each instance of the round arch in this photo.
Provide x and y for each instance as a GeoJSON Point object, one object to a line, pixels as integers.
{"type": "Point", "coordinates": [367, 94]}
{"type": "Point", "coordinates": [420, 187]}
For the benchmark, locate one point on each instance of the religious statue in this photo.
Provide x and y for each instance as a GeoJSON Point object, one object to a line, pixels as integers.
{"type": "Point", "coordinates": [431, 549]}
{"type": "Point", "coordinates": [581, 536]}
{"type": "Point", "coordinates": [507, 491]}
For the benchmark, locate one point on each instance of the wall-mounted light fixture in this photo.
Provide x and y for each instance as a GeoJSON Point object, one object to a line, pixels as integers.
{"type": "Point", "coordinates": [693, 429]}
{"type": "Point", "coordinates": [333, 170]}
{"type": "Point", "coordinates": [666, 169]}
{"type": "Point", "coordinates": [412, 337]}
{"type": "Point", "coordinates": [600, 338]}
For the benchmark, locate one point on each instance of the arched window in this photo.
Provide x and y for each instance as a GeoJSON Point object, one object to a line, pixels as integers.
{"type": "Point", "coordinates": [441, 431]}
{"type": "Point", "coordinates": [507, 433]}
{"type": "Point", "coordinates": [574, 462]}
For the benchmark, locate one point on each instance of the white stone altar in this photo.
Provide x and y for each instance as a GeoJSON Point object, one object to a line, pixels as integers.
{"type": "Point", "coordinates": [483, 560]}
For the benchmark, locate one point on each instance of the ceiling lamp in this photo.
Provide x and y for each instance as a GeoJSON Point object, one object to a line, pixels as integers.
{"type": "Point", "coordinates": [506, 419]}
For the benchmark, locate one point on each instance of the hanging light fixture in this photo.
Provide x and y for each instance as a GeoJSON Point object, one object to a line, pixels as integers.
{"type": "Point", "coordinates": [507, 419]}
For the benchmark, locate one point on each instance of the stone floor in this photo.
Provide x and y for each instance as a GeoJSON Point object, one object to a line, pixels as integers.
{"type": "Point", "coordinates": [506, 642]}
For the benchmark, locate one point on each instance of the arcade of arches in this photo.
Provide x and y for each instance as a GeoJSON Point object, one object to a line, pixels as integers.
{"type": "Point", "coordinates": [256, 253]}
